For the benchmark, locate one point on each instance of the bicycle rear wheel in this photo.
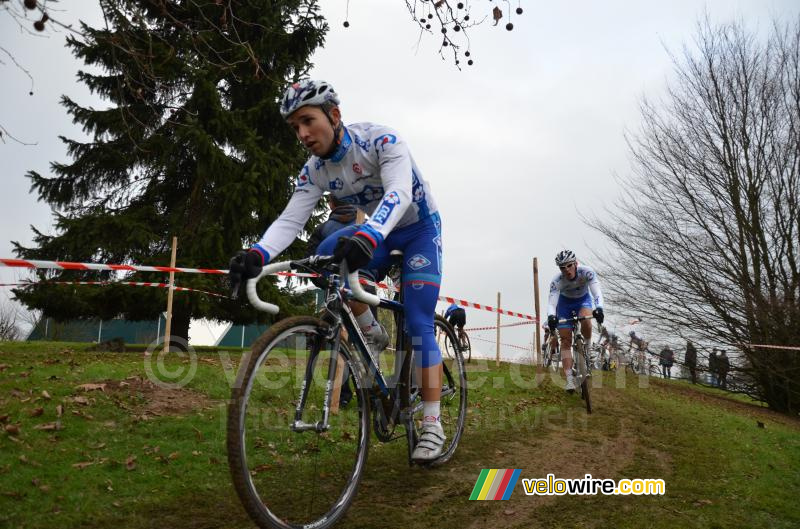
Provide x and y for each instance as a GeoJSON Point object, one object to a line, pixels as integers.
{"type": "Point", "coordinates": [290, 474]}
{"type": "Point", "coordinates": [453, 414]}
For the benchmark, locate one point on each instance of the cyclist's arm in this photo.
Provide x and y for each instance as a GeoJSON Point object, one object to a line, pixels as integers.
{"type": "Point", "coordinates": [595, 290]}
{"type": "Point", "coordinates": [291, 222]}
{"type": "Point", "coordinates": [552, 300]}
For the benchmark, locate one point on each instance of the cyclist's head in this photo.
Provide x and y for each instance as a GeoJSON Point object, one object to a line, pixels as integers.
{"type": "Point", "coordinates": [632, 334]}
{"type": "Point", "coordinates": [311, 107]}
{"type": "Point", "coordinates": [567, 263]}
{"type": "Point", "coordinates": [453, 306]}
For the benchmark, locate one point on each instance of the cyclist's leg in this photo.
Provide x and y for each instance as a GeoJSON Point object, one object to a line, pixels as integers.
{"type": "Point", "coordinates": [375, 334]}
{"type": "Point", "coordinates": [422, 275]}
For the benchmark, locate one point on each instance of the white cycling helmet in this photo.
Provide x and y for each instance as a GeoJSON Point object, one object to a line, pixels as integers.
{"type": "Point", "coordinates": [565, 256]}
{"type": "Point", "coordinates": [307, 92]}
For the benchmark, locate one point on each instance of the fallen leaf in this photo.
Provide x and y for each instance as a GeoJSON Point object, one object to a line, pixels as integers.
{"type": "Point", "coordinates": [83, 465]}
{"type": "Point", "coordinates": [91, 387]}
{"type": "Point", "coordinates": [174, 455]}
{"type": "Point", "coordinates": [12, 429]}
{"type": "Point", "coordinates": [130, 463]}
{"type": "Point", "coordinates": [99, 446]}
{"type": "Point", "coordinates": [24, 459]}
{"type": "Point", "coordinates": [36, 412]}
{"type": "Point", "coordinates": [3, 418]}
{"type": "Point", "coordinates": [3, 367]}
{"type": "Point", "coordinates": [81, 400]}
{"type": "Point", "coordinates": [509, 512]}
{"type": "Point", "coordinates": [45, 488]}
{"type": "Point", "coordinates": [81, 414]}
{"type": "Point", "coordinates": [116, 504]}
{"type": "Point", "coordinates": [48, 426]}
{"type": "Point", "coordinates": [59, 410]}
{"type": "Point", "coordinates": [45, 394]}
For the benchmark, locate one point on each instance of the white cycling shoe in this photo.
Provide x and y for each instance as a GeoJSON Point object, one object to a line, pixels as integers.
{"type": "Point", "coordinates": [378, 341]}
{"type": "Point", "coordinates": [431, 442]}
{"type": "Point", "coordinates": [570, 387]}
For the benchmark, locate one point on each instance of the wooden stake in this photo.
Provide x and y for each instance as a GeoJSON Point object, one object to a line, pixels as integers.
{"type": "Point", "coordinates": [168, 326]}
{"type": "Point", "coordinates": [538, 353]}
{"type": "Point", "coordinates": [497, 359]}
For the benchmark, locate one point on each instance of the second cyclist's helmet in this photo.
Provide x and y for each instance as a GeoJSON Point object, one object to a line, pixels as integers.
{"type": "Point", "coordinates": [308, 92]}
{"type": "Point", "coordinates": [565, 256]}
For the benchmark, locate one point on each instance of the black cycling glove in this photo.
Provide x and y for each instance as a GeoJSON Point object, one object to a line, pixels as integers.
{"type": "Point", "coordinates": [356, 251]}
{"type": "Point", "coordinates": [598, 315]}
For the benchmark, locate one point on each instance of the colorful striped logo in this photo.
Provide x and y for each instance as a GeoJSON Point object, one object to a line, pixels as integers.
{"type": "Point", "coordinates": [495, 484]}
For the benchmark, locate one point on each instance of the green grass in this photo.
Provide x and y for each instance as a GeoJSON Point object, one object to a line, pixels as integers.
{"type": "Point", "coordinates": [720, 468]}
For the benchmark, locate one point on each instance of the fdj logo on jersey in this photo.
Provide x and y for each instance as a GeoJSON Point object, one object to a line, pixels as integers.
{"type": "Point", "coordinates": [381, 141]}
{"type": "Point", "coordinates": [388, 204]}
{"type": "Point", "coordinates": [304, 177]}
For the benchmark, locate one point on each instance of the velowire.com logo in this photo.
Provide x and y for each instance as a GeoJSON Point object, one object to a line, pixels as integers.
{"type": "Point", "coordinates": [495, 484]}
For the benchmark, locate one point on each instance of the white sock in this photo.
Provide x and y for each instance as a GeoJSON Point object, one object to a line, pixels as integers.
{"type": "Point", "coordinates": [430, 410]}
{"type": "Point", "coordinates": [367, 322]}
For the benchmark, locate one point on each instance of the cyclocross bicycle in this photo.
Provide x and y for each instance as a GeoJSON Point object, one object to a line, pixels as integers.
{"type": "Point", "coordinates": [551, 355]}
{"type": "Point", "coordinates": [296, 455]}
{"type": "Point", "coordinates": [582, 365]}
{"type": "Point", "coordinates": [463, 342]}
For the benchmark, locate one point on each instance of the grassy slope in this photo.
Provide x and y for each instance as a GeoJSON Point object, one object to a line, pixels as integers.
{"type": "Point", "coordinates": [720, 468]}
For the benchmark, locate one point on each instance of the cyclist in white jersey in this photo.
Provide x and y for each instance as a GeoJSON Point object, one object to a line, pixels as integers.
{"type": "Point", "coordinates": [576, 288]}
{"type": "Point", "coordinates": [371, 167]}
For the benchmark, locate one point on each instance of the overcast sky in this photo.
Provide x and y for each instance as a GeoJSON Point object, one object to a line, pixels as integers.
{"type": "Point", "coordinates": [516, 148]}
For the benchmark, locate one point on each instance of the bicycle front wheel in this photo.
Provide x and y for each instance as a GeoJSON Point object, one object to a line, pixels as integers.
{"type": "Point", "coordinates": [584, 371]}
{"type": "Point", "coordinates": [466, 346]}
{"type": "Point", "coordinates": [289, 466]}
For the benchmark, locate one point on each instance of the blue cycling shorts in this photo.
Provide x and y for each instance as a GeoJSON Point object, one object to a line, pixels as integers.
{"type": "Point", "coordinates": [566, 306]}
{"type": "Point", "coordinates": [421, 244]}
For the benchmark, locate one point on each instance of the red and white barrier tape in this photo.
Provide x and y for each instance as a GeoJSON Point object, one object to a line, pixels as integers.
{"type": "Point", "coordinates": [66, 265]}
{"type": "Point", "coordinates": [493, 327]}
{"type": "Point", "coordinates": [473, 305]}
{"type": "Point", "coordinates": [105, 283]}
{"type": "Point", "coordinates": [528, 349]}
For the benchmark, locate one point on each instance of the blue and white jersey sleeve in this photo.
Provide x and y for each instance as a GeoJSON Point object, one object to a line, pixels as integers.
{"type": "Point", "coordinates": [555, 293]}
{"type": "Point", "coordinates": [594, 287]}
{"type": "Point", "coordinates": [291, 222]}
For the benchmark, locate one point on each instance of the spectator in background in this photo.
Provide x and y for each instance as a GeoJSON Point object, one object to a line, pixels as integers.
{"type": "Point", "coordinates": [690, 361]}
{"type": "Point", "coordinates": [667, 358]}
{"type": "Point", "coordinates": [712, 367]}
{"type": "Point", "coordinates": [723, 366]}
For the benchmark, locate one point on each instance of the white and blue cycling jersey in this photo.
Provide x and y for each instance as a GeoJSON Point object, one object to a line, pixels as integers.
{"type": "Point", "coordinates": [572, 295]}
{"type": "Point", "coordinates": [371, 169]}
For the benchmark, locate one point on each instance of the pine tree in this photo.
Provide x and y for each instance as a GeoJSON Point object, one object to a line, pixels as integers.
{"type": "Point", "coordinates": [191, 145]}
